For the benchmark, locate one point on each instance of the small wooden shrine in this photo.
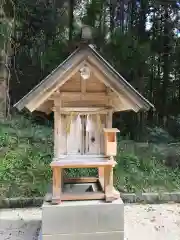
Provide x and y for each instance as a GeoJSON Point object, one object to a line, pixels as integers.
{"type": "Point", "coordinates": [84, 92]}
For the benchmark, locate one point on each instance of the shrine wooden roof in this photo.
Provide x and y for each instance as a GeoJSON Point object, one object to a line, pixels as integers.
{"type": "Point", "coordinates": [40, 93]}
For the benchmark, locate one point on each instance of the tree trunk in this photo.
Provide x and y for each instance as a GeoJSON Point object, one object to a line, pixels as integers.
{"type": "Point", "coordinates": [112, 14]}
{"type": "Point", "coordinates": [166, 66]}
{"type": "Point", "coordinates": [3, 84]}
{"type": "Point", "coordinates": [71, 20]}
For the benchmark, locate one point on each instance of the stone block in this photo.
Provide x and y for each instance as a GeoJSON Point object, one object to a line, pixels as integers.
{"type": "Point", "coordinates": [165, 197]}
{"type": "Point", "coordinates": [175, 197]}
{"type": "Point", "coordinates": [128, 197]}
{"type": "Point", "coordinates": [86, 219]}
{"type": "Point", "coordinates": [82, 217]}
{"type": "Point", "coordinates": [110, 217]}
{"type": "Point", "coordinates": [150, 197]}
{"type": "Point", "coordinates": [57, 219]}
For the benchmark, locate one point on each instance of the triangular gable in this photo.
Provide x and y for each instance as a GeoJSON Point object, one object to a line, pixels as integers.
{"type": "Point", "coordinates": [69, 67]}
{"type": "Point", "coordinates": [119, 82]}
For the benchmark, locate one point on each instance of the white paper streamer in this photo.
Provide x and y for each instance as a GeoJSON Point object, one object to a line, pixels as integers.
{"type": "Point", "coordinates": [78, 123]}
{"type": "Point", "coordinates": [79, 131]}
{"type": "Point", "coordinates": [89, 126]}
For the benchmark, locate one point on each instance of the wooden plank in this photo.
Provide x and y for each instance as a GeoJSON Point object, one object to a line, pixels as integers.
{"type": "Point", "coordinates": [57, 186]}
{"type": "Point", "coordinates": [93, 136]}
{"type": "Point", "coordinates": [110, 130]}
{"type": "Point", "coordinates": [101, 177]}
{"type": "Point", "coordinates": [57, 129]}
{"type": "Point", "coordinates": [83, 86]}
{"type": "Point", "coordinates": [46, 107]}
{"type": "Point", "coordinates": [84, 196]}
{"type": "Point", "coordinates": [73, 84]}
{"type": "Point", "coordinates": [54, 79]}
{"type": "Point", "coordinates": [74, 136]}
{"type": "Point", "coordinates": [107, 184]}
{"type": "Point", "coordinates": [83, 112]}
{"type": "Point", "coordinates": [84, 104]}
{"type": "Point", "coordinates": [94, 84]}
{"type": "Point", "coordinates": [103, 125]}
{"type": "Point", "coordinates": [101, 96]}
{"type": "Point", "coordinates": [82, 163]}
{"type": "Point", "coordinates": [110, 192]}
{"type": "Point", "coordinates": [89, 110]}
{"type": "Point", "coordinates": [81, 180]}
{"type": "Point", "coordinates": [119, 83]}
{"type": "Point", "coordinates": [83, 157]}
{"type": "Point", "coordinates": [46, 93]}
{"type": "Point", "coordinates": [127, 98]}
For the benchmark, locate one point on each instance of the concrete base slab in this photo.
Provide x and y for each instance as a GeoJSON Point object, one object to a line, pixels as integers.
{"type": "Point", "coordinates": [83, 220]}
{"type": "Point", "coordinates": [87, 236]}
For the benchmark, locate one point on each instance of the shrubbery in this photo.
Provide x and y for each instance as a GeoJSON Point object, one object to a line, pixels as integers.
{"type": "Point", "coordinates": [26, 151]}
{"type": "Point", "coordinates": [142, 167]}
{"type": "Point", "coordinates": [25, 154]}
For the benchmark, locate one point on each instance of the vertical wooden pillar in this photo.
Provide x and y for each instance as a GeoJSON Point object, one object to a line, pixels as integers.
{"type": "Point", "coordinates": [109, 119]}
{"type": "Point", "coordinates": [57, 184]}
{"type": "Point", "coordinates": [57, 172]}
{"type": "Point", "coordinates": [108, 187]}
{"type": "Point", "coordinates": [106, 174]}
{"type": "Point", "coordinates": [115, 193]}
{"type": "Point", "coordinates": [57, 131]}
{"type": "Point", "coordinates": [109, 125]}
{"type": "Point", "coordinates": [101, 177]}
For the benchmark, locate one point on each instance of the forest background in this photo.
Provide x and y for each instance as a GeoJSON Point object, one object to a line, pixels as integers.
{"type": "Point", "coordinates": [140, 38]}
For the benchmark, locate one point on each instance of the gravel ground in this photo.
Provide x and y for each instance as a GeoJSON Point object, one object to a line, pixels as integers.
{"type": "Point", "coordinates": [149, 222]}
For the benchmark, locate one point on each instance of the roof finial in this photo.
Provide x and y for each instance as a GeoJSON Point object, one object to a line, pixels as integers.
{"type": "Point", "coordinates": [86, 34]}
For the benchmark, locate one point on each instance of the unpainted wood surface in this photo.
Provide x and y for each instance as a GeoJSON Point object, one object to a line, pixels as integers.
{"type": "Point", "coordinates": [95, 137]}
{"type": "Point", "coordinates": [74, 136]}
{"type": "Point", "coordinates": [73, 84]}
{"type": "Point", "coordinates": [81, 180]}
{"type": "Point", "coordinates": [85, 196]}
{"type": "Point", "coordinates": [94, 84]}
{"type": "Point", "coordinates": [82, 163]}
{"type": "Point", "coordinates": [100, 68]}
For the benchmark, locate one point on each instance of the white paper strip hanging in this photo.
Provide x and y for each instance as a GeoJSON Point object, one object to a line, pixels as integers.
{"type": "Point", "coordinates": [89, 126]}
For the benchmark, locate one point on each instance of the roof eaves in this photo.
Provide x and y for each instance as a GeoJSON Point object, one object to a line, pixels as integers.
{"type": "Point", "coordinates": [23, 101]}
{"type": "Point", "coordinates": [146, 104]}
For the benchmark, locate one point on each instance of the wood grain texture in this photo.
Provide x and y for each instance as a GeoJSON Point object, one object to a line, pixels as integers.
{"type": "Point", "coordinates": [82, 163]}
{"type": "Point", "coordinates": [57, 184]}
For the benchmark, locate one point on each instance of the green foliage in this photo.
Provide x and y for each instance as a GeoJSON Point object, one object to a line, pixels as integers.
{"type": "Point", "coordinates": [159, 135]}
{"type": "Point", "coordinates": [83, 172]}
{"type": "Point", "coordinates": [46, 32]}
{"type": "Point", "coordinates": [26, 152]}
{"type": "Point", "coordinates": [141, 169]}
{"type": "Point", "coordinates": [25, 155]}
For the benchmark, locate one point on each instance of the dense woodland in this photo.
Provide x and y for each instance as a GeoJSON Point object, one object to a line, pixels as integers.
{"type": "Point", "coordinates": [138, 37]}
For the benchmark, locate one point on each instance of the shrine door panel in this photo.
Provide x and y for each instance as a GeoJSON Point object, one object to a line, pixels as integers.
{"type": "Point", "coordinates": [94, 139]}
{"type": "Point", "coordinates": [63, 143]}
{"type": "Point", "coordinates": [74, 136]}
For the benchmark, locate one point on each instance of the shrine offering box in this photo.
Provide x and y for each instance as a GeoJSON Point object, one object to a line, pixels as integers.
{"type": "Point", "coordinates": [110, 141]}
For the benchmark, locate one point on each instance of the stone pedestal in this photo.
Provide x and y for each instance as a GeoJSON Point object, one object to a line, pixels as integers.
{"type": "Point", "coordinates": [83, 220]}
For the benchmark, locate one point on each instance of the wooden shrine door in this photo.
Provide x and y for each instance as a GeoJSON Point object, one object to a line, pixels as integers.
{"type": "Point", "coordinates": [94, 137]}
{"type": "Point", "coordinates": [85, 135]}
{"type": "Point", "coordinates": [75, 136]}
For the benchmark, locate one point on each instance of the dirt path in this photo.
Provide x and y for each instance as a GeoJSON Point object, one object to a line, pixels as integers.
{"type": "Point", "coordinates": [149, 222]}
{"type": "Point", "coordinates": [152, 222]}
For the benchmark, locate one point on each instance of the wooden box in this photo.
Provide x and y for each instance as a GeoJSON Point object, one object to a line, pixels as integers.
{"type": "Point", "coordinates": [110, 141]}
